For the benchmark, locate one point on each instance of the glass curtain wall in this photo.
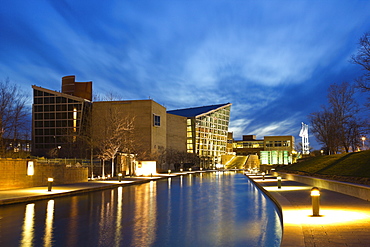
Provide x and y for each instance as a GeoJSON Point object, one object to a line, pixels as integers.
{"type": "Point", "coordinates": [207, 136]}
{"type": "Point", "coordinates": [57, 120]}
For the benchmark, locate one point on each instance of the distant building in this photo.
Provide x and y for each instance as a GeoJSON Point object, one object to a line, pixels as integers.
{"type": "Point", "coordinates": [271, 150]}
{"type": "Point", "coordinates": [207, 131]}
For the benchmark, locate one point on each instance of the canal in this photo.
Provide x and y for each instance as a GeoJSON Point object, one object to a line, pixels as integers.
{"type": "Point", "coordinates": [208, 209]}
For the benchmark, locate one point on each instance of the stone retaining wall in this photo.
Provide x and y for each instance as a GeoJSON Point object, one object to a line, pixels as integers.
{"type": "Point", "coordinates": [356, 190]}
{"type": "Point", "coordinates": [13, 174]}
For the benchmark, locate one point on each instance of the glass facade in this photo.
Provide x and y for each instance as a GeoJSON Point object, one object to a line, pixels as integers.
{"type": "Point", "coordinates": [57, 119]}
{"type": "Point", "coordinates": [207, 135]}
{"type": "Point", "coordinates": [275, 157]}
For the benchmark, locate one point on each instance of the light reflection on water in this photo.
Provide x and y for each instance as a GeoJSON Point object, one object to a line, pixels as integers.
{"type": "Point", "coordinates": [48, 237]}
{"type": "Point", "coordinates": [28, 225]}
{"type": "Point", "coordinates": [210, 209]}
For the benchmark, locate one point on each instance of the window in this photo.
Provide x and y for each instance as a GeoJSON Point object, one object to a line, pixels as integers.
{"type": "Point", "coordinates": [157, 120]}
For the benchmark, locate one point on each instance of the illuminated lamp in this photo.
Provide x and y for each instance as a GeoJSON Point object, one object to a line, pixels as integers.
{"type": "Point", "coordinates": [119, 177]}
{"type": "Point", "coordinates": [50, 183]}
{"type": "Point", "coordinates": [278, 182]}
{"type": "Point", "coordinates": [315, 196]}
{"type": "Point", "coordinates": [263, 176]}
{"type": "Point", "coordinates": [30, 168]}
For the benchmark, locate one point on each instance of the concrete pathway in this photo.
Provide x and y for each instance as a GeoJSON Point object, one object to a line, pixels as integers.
{"type": "Point", "coordinates": [344, 220]}
{"type": "Point", "coordinates": [40, 193]}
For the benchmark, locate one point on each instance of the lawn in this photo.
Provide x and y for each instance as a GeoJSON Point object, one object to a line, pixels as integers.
{"type": "Point", "coordinates": [355, 164]}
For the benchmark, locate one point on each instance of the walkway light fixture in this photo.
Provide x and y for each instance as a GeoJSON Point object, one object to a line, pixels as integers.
{"type": "Point", "coordinates": [119, 177]}
{"type": "Point", "coordinates": [30, 168]}
{"type": "Point", "coordinates": [315, 196]}
{"type": "Point", "coordinates": [50, 183]}
{"type": "Point", "coordinates": [278, 182]}
{"type": "Point", "coordinates": [263, 176]}
{"type": "Point", "coordinates": [169, 172]}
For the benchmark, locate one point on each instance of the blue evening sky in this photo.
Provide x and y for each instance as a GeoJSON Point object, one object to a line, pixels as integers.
{"type": "Point", "coordinates": [273, 60]}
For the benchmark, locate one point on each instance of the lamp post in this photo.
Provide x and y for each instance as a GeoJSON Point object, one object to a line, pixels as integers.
{"type": "Point", "coordinates": [119, 177]}
{"type": "Point", "coordinates": [169, 172]}
{"type": "Point", "coordinates": [279, 182]}
{"type": "Point", "coordinates": [315, 196]}
{"type": "Point", "coordinates": [50, 183]}
{"type": "Point", "coordinates": [363, 142]}
{"type": "Point", "coordinates": [263, 175]}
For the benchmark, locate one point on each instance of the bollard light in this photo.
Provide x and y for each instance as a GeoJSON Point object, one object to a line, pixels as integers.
{"type": "Point", "coordinates": [181, 169]}
{"type": "Point", "coordinates": [279, 182]}
{"type": "Point", "coordinates": [169, 172]}
{"type": "Point", "coordinates": [50, 183]}
{"type": "Point", "coordinates": [189, 169]}
{"type": "Point", "coordinates": [201, 169]}
{"type": "Point", "coordinates": [119, 177]}
{"type": "Point", "coordinates": [263, 176]}
{"type": "Point", "coordinates": [315, 196]}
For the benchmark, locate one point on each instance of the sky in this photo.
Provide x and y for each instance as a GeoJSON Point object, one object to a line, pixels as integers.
{"type": "Point", "coordinates": [273, 60]}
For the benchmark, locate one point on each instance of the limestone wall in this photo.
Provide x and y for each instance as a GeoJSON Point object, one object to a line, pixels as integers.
{"type": "Point", "coordinates": [356, 190]}
{"type": "Point", "coordinates": [13, 174]}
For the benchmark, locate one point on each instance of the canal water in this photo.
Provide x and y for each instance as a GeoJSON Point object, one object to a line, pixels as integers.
{"type": "Point", "coordinates": [209, 209]}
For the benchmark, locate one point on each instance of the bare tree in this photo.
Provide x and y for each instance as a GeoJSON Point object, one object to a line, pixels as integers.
{"type": "Point", "coordinates": [338, 126]}
{"type": "Point", "coordinates": [114, 129]}
{"type": "Point", "coordinates": [14, 114]}
{"type": "Point", "coordinates": [362, 58]}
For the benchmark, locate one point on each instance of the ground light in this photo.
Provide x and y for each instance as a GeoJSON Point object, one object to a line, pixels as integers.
{"type": "Point", "coordinates": [50, 183]}
{"type": "Point", "coordinates": [278, 182]}
{"type": "Point", "coordinates": [315, 195]}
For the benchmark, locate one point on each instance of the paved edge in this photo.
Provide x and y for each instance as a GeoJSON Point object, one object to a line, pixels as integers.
{"type": "Point", "coordinates": [291, 235]}
{"type": "Point", "coordinates": [102, 186]}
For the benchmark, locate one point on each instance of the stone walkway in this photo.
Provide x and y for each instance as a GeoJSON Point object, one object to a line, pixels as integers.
{"type": "Point", "coordinates": [344, 220]}
{"type": "Point", "coordinates": [40, 193]}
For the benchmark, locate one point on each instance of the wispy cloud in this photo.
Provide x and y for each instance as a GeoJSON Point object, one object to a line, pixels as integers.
{"type": "Point", "coordinates": [272, 61]}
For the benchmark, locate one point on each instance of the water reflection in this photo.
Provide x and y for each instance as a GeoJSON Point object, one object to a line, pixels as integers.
{"type": "Point", "coordinates": [145, 215]}
{"type": "Point", "coordinates": [28, 225]}
{"type": "Point", "coordinates": [118, 235]}
{"type": "Point", "coordinates": [48, 237]}
{"type": "Point", "coordinates": [211, 209]}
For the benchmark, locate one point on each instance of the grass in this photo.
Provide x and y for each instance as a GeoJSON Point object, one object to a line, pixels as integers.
{"type": "Point", "coordinates": [350, 165]}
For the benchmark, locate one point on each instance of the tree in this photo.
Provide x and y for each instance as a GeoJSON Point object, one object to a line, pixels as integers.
{"type": "Point", "coordinates": [338, 126]}
{"type": "Point", "coordinates": [362, 58]}
{"type": "Point", "coordinates": [14, 114]}
{"type": "Point", "coordinates": [114, 131]}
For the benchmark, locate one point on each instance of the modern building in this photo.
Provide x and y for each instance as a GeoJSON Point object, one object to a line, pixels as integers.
{"type": "Point", "coordinates": [207, 131]}
{"type": "Point", "coordinates": [58, 118]}
{"type": "Point", "coordinates": [272, 150]}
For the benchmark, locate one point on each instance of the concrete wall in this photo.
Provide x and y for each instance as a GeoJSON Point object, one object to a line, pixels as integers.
{"type": "Point", "coordinates": [146, 137]}
{"type": "Point", "coordinates": [356, 190]}
{"type": "Point", "coordinates": [176, 132]}
{"type": "Point", "coordinates": [13, 174]}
